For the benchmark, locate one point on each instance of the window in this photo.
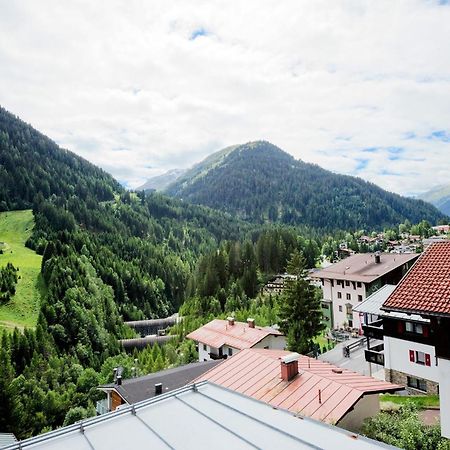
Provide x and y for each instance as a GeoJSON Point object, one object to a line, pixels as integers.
{"type": "Point", "coordinates": [415, 328]}
{"type": "Point", "coordinates": [347, 283]}
{"type": "Point", "coordinates": [230, 352]}
{"type": "Point", "coordinates": [420, 358]}
{"type": "Point", "coordinates": [359, 298]}
{"type": "Point", "coordinates": [417, 383]}
{"type": "Point", "coordinates": [358, 284]}
{"type": "Point", "coordinates": [325, 306]}
{"type": "Point", "coordinates": [340, 308]}
{"type": "Point", "coordinates": [339, 294]}
{"type": "Point", "coordinates": [349, 296]}
{"type": "Point", "coordinates": [204, 347]}
{"type": "Point", "coordinates": [348, 309]}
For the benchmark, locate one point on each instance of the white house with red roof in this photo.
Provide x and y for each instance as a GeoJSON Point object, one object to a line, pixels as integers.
{"type": "Point", "coordinates": [302, 385]}
{"type": "Point", "coordinates": [425, 291]}
{"type": "Point", "coordinates": [223, 338]}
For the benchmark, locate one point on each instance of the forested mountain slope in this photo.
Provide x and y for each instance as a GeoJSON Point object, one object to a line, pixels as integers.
{"type": "Point", "coordinates": [439, 197]}
{"type": "Point", "coordinates": [259, 182]}
{"type": "Point", "coordinates": [108, 256]}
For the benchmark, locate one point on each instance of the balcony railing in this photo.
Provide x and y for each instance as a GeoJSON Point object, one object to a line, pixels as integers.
{"type": "Point", "coordinates": [375, 354]}
{"type": "Point", "coordinates": [374, 330]}
{"type": "Point", "coordinates": [102, 407]}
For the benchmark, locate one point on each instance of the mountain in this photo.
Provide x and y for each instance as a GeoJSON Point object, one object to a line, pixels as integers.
{"type": "Point", "coordinates": [160, 182]}
{"type": "Point", "coordinates": [439, 196]}
{"type": "Point", "coordinates": [31, 163]}
{"type": "Point", "coordinates": [258, 181]}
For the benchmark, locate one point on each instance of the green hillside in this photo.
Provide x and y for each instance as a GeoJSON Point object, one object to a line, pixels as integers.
{"type": "Point", "coordinates": [261, 183]}
{"type": "Point", "coordinates": [439, 196]}
{"type": "Point", "coordinates": [15, 229]}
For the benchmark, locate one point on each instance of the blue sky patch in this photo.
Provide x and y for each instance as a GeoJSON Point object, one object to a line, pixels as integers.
{"type": "Point", "coordinates": [440, 135]}
{"type": "Point", "coordinates": [198, 32]}
{"type": "Point", "coordinates": [361, 164]}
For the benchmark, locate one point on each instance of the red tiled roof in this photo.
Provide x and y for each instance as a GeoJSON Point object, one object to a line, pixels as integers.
{"type": "Point", "coordinates": [426, 287]}
{"type": "Point", "coordinates": [256, 373]}
{"type": "Point", "coordinates": [218, 333]}
{"type": "Point", "coordinates": [362, 267]}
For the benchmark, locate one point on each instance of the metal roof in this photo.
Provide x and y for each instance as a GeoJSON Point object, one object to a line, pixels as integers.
{"type": "Point", "coordinates": [7, 439]}
{"type": "Point", "coordinates": [134, 390]}
{"type": "Point", "coordinates": [362, 267]}
{"type": "Point", "coordinates": [202, 416]}
{"type": "Point", "coordinates": [320, 390]}
{"type": "Point", "coordinates": [373, 304]}
{"type": "Point", "coordinates": [218, 333]}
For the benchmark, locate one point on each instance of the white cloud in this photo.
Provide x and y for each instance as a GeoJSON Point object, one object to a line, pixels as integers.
{"type": "Point", "coordinates": [124, 84]}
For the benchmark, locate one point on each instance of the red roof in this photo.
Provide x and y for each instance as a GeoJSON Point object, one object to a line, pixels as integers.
{"type": "Point", "coordinates": [256, 373]}
{"type": "Point", "coordinates": [426, 287]}
{"type": "Point", "coordinates": [218, 333]}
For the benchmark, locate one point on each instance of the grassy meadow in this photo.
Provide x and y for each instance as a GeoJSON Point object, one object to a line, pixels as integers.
{"type": "Point", "coordinates": [22, 310]}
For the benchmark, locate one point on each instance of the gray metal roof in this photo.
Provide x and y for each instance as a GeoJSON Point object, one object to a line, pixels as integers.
{"type": "Point", "coordinates": [196, 417]}
{"type": "Point", "coordinates": [7, 439]}
{"type": "Point", "coordinates": [134, 390]}
{"type": "Point", "coordinates": [373, 304]}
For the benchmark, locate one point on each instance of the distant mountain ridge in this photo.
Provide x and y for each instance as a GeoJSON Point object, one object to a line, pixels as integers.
{"type": "Point", "coordinates": [160, 182]}
{"type": "Point", "coordinates": [439, 196]}
{"type": "Point", "coordinates": [260, 182]}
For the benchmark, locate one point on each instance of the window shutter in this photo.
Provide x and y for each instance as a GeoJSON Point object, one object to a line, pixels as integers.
{"type": "Point", "coordinates": [427, 359]}
{"type": "Point", "coordinates": [400, 327]}
{"type": "Point", "coordinates": [425, 331]}
{"type": "Point", "coordinates": [411, 355]}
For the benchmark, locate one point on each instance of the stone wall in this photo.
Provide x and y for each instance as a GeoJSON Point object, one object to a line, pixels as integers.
{"type": "Point", "coordinates": [396, 377]}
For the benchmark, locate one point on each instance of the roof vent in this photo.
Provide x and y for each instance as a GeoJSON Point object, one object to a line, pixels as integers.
{"type": "Point", "coordinates": [158, 388]}
{"type": "Point", "coordinates": [251, 323]}
{"type": "Point", "coordinates": [337, 370]}
{"type": "Point", "coordinates": [230, 321]}
{"type": "Point", "coordinates": [289, 366]}
{"type": "Point", "coordinates": [377, 258]}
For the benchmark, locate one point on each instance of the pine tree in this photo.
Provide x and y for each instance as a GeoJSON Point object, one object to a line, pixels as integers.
{"type": "Point", "coordinates": [300, 311]}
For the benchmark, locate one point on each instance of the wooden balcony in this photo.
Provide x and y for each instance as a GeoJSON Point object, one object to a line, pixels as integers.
{"type": "Point", "coordinates": [374, 330]}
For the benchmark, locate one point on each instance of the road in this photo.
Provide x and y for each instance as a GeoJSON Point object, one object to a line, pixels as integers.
{"type": "Point", "coordinates": [356, 362]}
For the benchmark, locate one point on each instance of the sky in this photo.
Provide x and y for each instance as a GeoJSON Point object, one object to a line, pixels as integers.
{"type": "Point", "coordinates": [140, 87]}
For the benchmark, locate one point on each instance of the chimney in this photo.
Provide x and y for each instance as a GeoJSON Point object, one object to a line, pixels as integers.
{"type": "Point", "coordinates": [230, 321]}
{"type": "Point", "coordinates": [377, 258]}
{"type": "Point", "coordinates": [119, 380]}
{"type": "Point", "coordinates": [158, 388]}
{"type": "Point", "coordinates": [251, 323]}
{"type": "Point", "coordinates": [289, 366]}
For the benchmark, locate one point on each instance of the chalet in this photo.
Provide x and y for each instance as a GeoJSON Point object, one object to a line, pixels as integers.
{"type": "Point", "coordinates": [401, 343]}
{"type": "Point", "coordinates": [440, 229]}
{"type": "Point", "coordinates": [425, 292]}
{"type": "Point", "coordinates": [195, 417]}
{"type": "Point", "coordinates": [348, 282]}
{"type": "Point", "coordinates": [305, 386]}
{"type": "Point", "coordinates": [277, 284]}
{"type": "Point", "coordinates": [220, 339]}
{"type": "Point", "coordinates": [133, 390]}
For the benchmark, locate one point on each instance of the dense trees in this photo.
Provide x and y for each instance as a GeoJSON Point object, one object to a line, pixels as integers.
{"type": "Point", "coordinates": [8, 281]}
{"type": "Point", "coordinates": [300, 311]}
{"type": "Point", "coordinates": [260, 182]}
{"type": "Point", "coordinates": [404, 429]}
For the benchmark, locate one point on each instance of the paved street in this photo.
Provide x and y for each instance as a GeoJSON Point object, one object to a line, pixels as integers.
{"type": "Point", "coordinates": [356, 362]}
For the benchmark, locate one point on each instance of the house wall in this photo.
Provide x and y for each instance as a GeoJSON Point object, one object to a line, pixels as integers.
{"type": "Point", "coordinates": [396, 357]}
{"type": "Point", "coordinates": [367, 406]}
{"type": "Point", "coordinates": [444, 395]}
{"type": "Point", "coordinates": [116, 400]}
{"type": "Point", "coordinates": [331, 289]}
{"type": "Point", "coordinates": [273, 342]}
